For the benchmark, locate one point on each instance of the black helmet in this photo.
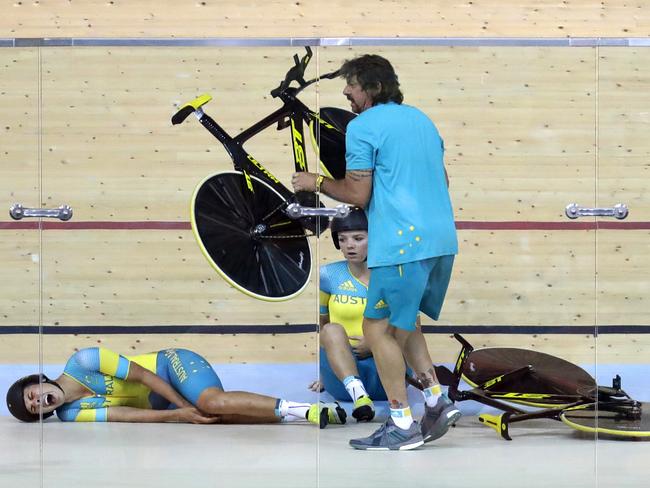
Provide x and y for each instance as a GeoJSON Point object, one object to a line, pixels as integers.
{"type": "Point", "coordinates": [356, 220]}
{"type": "Point", "coordinates": [16, 399]}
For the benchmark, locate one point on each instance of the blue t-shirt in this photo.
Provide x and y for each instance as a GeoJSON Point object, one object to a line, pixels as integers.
{"type": "Point", "coordinates": [410, 217]}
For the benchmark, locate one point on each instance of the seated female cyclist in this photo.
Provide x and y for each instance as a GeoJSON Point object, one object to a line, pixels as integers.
{"type": "Point", "coordinates": [347, 368]}
{"type": "Point", "coordinates": [173, 385]}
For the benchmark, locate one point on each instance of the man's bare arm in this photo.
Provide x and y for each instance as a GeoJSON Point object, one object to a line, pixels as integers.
{"type": "Point", "coordinates": [355, 188]}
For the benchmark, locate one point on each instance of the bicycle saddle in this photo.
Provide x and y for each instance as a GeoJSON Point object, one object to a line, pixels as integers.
{"type": "Point", "coordinates": [189, 108]}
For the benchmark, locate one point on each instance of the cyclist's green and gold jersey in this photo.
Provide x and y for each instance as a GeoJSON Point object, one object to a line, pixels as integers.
{"type": "Point", "coordinates": [104, 374]}
{"type": "Point", "coordinates": [410, 217]}
{"type": "Point", "coordinates": [343, 297]}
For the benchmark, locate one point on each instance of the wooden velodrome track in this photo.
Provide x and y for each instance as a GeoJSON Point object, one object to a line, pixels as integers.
{"type": "Point", "coordinates": [528, 130]}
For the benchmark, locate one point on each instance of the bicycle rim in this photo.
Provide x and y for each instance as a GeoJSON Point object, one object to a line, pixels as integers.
{"type": "Point", "coordinates": [273, 265]}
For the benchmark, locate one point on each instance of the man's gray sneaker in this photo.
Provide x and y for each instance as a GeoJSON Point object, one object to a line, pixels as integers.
{"type": "Point", "coordinates": [390, 437]}
{"type": "Point", "coordinates": [438, 419]}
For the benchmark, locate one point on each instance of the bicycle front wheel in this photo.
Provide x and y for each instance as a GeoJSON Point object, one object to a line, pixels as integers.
{"type": "Point", "coordinates": [248, 239]}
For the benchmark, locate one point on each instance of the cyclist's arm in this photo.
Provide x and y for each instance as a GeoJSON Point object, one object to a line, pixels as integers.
{"type": "Point", "coordinates": [142, 415]}
{"type": "Point", "coordinates": [355, 188]}
{"type": "Point", "coordinates": [323, 319]}
{"type": "Point", "coordinates": [324, 296]}
{"type": "Point", "coordinates": [156, 384]}
{"type": "Point", "coordinates": [110, 363]}
{"type": "Point", "coordinates": [117, 414]}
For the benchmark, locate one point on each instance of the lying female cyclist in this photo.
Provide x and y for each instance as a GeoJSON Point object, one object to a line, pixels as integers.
{"type": "Point", "coordinates": [173, 385]}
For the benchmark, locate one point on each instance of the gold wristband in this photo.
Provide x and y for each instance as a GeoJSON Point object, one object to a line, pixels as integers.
{"type": "Point", "coordinates": [319, 182]}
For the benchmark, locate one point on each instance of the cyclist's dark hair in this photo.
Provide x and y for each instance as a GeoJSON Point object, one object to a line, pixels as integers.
{"type": "Point", "coordinates": [371, 70]}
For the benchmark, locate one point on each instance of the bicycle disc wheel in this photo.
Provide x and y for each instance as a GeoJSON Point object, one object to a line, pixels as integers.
{"type": "Point", "coordinates": [252, 244]}
{"type": "Point", "coordinates": [550, 375]}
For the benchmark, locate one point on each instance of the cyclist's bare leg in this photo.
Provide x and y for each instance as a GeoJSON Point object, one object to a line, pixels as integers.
{"type": "Point", "coordinates": [335, 341]}
{"type": "Point", "coordinates": [247, 419]}
{"type": "Point", "coordinates": [215, 401]}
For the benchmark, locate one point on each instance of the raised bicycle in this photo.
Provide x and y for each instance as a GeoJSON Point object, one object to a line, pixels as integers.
{"type": "Point", "coordinates": [551, 388]}
{"type": "Point", "coordinates": [251, 228]}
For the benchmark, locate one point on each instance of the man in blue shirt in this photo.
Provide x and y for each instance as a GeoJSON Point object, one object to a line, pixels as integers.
{"type": "Point", "coordinates": [395, 171]}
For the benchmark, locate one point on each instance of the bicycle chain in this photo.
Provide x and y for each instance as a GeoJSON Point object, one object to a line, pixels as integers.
{"type": "Point", "coordinates": [287, 237]}
{"type": "Point", "coordinates": [266, 217]}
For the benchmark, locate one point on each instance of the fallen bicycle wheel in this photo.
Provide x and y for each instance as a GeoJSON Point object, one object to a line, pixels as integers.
{"type": "Point", "coordinates": [247, 238]}
{"type": "Point", "coordinates": [617, 422]}
{"type": "Point", "coordinates": [550, 377]}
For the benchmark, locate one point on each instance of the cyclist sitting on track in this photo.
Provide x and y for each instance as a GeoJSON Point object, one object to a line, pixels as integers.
{"type": "Point", "coordinates": [172, 385]}
{"type": "Point", "coordinates": [347, 367]}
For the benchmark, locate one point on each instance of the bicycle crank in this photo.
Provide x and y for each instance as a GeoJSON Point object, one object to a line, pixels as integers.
{"type": "Point", "coordinates": [297, 211]}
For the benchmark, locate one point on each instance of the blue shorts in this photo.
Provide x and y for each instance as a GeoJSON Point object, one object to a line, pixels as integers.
{"type": "Point", "coordinates": [187, 372]}
{"type": "Point", "coordinates": [367, 372]}
{"type": "Point", "coordinates": [398, 292]}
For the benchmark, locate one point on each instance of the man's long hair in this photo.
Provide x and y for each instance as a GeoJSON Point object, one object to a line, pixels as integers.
{"type": "Point", "coordinates": [370, 71]}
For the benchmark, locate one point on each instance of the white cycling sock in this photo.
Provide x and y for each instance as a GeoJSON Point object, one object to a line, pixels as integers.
{"type": "Point", "coordinates": [284, 408]}
{"type": "Point", "coordinates": [354, 387]}
{"type": "Point", "coordinates": [431, 395]}
{"type": "Point", "coordinates": [402, 417]}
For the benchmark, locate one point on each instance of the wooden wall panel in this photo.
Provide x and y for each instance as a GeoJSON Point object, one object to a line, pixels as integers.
{"type": "Point", "coordinates": [623, 270]}
{"type": "Point", "coordinates": [391, 18]}
{"type": "Point", "coordinates": [149, 278]}
{"type": "Point", "coordinates": [19, 182]}
{"type": "Point", "coordinates": [266, 348]}
{"type": "Point", "coordinates": [19, 101]}
{"type": "Point", "coordinates": [582, 349]}
{"type": "Point", "coordinates": [19, 286]}
{"type": "Point", "coordinates": [222, 349]}
{"type": "Point", "coordinates": [623, 124]}
{"type": "Point", "coordinates": [623, 176]}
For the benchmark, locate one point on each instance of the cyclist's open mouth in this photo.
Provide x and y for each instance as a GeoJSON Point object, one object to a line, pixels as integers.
{"type": "Point", "coordinates": [48, 399]}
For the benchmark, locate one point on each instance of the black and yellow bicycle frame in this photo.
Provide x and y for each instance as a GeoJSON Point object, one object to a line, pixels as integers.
{"type": "Point", "coordinates": [292, 114]}
{"type": "Point", "coordinates": [502, 390]}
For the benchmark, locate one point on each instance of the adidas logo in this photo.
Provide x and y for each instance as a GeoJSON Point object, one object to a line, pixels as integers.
{"type": "Point", "coordinates": [347, 286]}
{"type": "Point", "coordinates": [380, 304]}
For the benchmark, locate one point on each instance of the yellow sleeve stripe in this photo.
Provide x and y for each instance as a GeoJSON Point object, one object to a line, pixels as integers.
{"type": "Point", "coordinates": [90, 415]}
{"type": "Point", "coordinates": [324, 298]}
{"type": "Point", "coordinates": [113, 364]}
